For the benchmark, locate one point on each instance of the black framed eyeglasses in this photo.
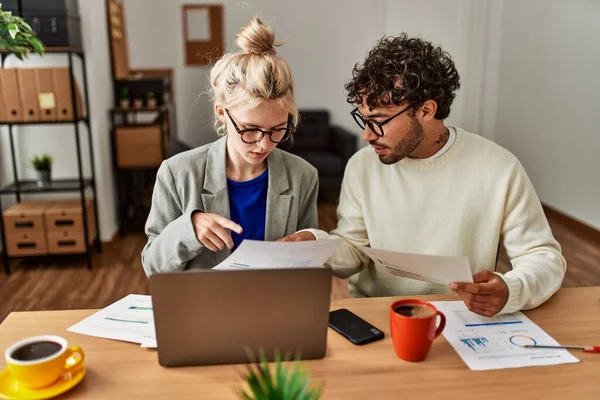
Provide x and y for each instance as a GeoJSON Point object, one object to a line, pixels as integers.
{"type": "Point", "coordinates": [255, 135]}
{"type": "Point", "coordinates": [374, 126]}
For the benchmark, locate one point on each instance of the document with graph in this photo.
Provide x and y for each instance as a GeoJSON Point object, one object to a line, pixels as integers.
{"type": "Point", "coordinates": [496, 343]}
{"type": "Point", "coordinates": [130, 319]}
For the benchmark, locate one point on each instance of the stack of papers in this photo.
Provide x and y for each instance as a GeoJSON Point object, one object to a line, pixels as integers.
{"type": "Point", "coordinates": [496, 343]}
{"type": "Point", "coordinates": [129, 319]}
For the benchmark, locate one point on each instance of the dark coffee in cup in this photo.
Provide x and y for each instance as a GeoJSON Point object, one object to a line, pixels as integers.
{"type": "Point", "coordinates": [414, 310]}
{"type": "Point", "coordinates": [36, 351]}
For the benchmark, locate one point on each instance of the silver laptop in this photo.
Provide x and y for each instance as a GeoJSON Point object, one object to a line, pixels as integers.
{"type": "Point", "coordinates": [206, 317]}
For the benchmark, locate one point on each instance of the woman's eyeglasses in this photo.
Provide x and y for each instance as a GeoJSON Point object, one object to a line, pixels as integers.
{"type": "Point", "coordinates": [255, 135]}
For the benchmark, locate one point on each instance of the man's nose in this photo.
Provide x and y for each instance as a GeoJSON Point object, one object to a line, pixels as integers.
{"type": "Point", "coordinates": [368, 135]}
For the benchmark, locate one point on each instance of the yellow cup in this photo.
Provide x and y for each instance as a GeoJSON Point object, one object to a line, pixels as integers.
{"type": "Point", "coordinates": [38, 369]}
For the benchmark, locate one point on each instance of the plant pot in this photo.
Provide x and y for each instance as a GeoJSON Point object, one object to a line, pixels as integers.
{"type": "Point", "coordinates": [43, 177]}
{"type": "Point", "coordinates": [125, 103]}
{"type": "Point", "coordinates": [151, 103]}
{"type": "Point", "coordinates": [138, 103]}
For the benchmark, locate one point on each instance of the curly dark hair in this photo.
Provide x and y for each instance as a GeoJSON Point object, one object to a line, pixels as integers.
{"type": "Point", "coordinates": [405, 69]}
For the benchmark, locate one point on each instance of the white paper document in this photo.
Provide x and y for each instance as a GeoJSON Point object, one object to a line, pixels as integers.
{"type": "Point", "coordinates": [496, 343]}
{"type": "Point", "coordinates": [434, 269]}
{"type": "Point", "coordinates": [129, 319]}
{"type": "Point", "coordinates": [254, 254]}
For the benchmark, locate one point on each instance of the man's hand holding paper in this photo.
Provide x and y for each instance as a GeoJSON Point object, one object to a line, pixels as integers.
{"type": "Point", "coordinates": [484, 293]}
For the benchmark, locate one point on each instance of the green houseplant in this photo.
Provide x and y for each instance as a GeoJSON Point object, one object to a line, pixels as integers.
{"type": "Point", "coordinates": [125, 98]}
{"type": "Point", "coordinates": [42, 165]}
{"type": "Point", "coordinates": [282, 383]}
{"type": "Point", "coordinates": [16, 36]}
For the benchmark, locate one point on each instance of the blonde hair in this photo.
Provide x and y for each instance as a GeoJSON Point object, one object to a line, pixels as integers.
{"type": "Point", "coordinates": [254, 75]}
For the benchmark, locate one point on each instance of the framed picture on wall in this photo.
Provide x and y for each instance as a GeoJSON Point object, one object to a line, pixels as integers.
{"type": "Point", "coordinates": [202, 33]}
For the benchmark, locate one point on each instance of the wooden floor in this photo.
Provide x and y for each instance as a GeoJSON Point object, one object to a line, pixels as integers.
{"type": "Point", "coordinates": [65, 283]}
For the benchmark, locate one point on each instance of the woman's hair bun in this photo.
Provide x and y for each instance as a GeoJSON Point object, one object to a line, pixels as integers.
{"type": "Point", "coordinates": [256, 38]}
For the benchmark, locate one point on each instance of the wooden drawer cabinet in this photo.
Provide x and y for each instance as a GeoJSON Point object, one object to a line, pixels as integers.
{"type": "Point", "coordinates": [26, 244]}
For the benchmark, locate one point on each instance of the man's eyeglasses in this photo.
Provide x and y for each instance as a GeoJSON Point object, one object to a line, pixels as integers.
{"type": "Point", "coordinates": [255, 135]}
{"type": "Point", "coordinates": [374, 126]}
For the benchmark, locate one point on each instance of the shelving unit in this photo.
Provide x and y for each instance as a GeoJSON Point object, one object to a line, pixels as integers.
{"type": "Point", "coordinates": [134, 180]}
{"type": "Point", "coordinates": [77, 184]}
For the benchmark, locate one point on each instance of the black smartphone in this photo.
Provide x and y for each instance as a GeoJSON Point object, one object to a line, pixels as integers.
{"type": "Point", "coordinates": [353, 327]}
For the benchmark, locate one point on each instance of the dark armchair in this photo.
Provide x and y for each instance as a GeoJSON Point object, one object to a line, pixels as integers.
{"type": "Point", "coordinates": [328, 148]}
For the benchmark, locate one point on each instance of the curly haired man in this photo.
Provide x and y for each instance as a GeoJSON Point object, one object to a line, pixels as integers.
{"type": "Point", "coordinates": [428, 188]}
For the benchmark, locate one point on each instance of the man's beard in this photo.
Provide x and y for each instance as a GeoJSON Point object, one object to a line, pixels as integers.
{"type": "Point", "coordinates": [406, 146]}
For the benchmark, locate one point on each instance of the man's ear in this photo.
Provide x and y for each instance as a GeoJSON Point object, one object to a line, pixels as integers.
{"type": "Point", "coordinates": [220, 111]}
{"type": "Point", "coordinates": [429, 108]}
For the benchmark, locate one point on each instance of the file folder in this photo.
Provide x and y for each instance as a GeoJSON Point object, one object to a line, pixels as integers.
{"type": "Point", "coordinates": [11, 97]}
{"type": "Point", "coordinates": [2, 106]}
{"type": "Point", "coordinates": [28, 91]}
{"type": "Point", "coordinates": [62, 91]}
{"type": "Point", "coordinates": [45, 94]}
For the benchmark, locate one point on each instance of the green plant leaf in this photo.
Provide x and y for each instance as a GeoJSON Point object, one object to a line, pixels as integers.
{"type": "Point", "coordinates": [284, 382]}
{"type": "Point", "coordinates": [16, 36]}
{"type": "Point", "coordinates": [12, 30]}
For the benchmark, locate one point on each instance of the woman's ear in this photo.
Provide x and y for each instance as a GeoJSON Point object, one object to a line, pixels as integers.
{"type": "Point", "coordinates": [220, 111]}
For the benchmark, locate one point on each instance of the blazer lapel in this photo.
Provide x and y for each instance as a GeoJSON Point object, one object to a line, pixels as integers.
{"type": "Point", "coordinates": [278, 203]}
{"type": "Point", "coordinates": [215, 196]}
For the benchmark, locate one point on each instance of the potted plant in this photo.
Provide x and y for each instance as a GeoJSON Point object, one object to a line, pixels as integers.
{"type": "Point", "coordinates": [125, 98]}
{"type": "Point", "coordinates": [43, 168]}
{"type": "Point", "coordinates": [16, 36]}
{"type": "Point", "coordinates": [138, 103]}
{"type": "Point", "coordinates": [150, 100]}
{"type": "Point", "coordinates": [284, 383]}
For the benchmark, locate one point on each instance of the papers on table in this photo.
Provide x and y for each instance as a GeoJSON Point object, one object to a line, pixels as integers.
{"type": "Point", "coordinates": [435, 269]}
{"type": "Point", "coordinates": [129, 319]}
{"type": "Point", "coordinates": [253, 254]}
{"type": "Point", "coordinates": [495, 343]}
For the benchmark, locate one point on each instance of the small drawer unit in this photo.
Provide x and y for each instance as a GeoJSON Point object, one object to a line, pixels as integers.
{"type": "Point", "coordinates": [25, 228]}
{"type": "Point", "coordinates": [64, 226]}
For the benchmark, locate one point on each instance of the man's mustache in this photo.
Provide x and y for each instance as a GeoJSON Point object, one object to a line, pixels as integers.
{"type": "Point", "coordinates": [374, 143]}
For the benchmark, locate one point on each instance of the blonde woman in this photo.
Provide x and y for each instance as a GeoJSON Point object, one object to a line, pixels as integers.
{"type": "Point", "coordinates": [207, 200]}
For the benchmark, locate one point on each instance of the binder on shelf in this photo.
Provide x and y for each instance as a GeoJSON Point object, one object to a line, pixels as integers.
{"type": "Point", "coordinates": [2, 107]}
{"type": "Point", "coordinates": [45, 94]}
{"type": "Point", "coordinates": [28, 91]}
{"type": "Point", "coordinates": [13, 112]}
{"type": "Point", "coordinates": [62, 91]}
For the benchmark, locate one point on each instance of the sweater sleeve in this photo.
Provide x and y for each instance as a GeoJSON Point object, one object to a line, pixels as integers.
{"type": "Point", "coordinates": [348, 259]}
{"type": "Point", "coordinates": [538, 265]}
{"type": "Point", "coordinates": [172, 241]}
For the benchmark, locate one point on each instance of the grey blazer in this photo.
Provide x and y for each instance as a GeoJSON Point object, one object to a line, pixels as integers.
{"type": "Point", "coordinates": [196, 180]}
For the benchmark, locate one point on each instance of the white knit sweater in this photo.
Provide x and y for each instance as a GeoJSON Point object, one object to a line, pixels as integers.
{"type": "Point", "coordinates": [462, 203]}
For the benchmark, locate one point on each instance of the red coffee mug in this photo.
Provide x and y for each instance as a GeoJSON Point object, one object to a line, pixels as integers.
{"type": "Point", "coordinates": [413, 336]}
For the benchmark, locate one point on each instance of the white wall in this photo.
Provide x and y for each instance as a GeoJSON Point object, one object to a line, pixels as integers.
{"type": "Point", "coordinates": [324, 41]}
{"type": "Point", "coordinates": [59, 140]}
{"type": "Point", "coordinates": [548, 100]}
{"type": "Point", "coordinates": [461, 28]}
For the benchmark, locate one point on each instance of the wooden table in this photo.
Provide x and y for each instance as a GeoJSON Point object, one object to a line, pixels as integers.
{"type": "Point", "coordinates": [123, 370]}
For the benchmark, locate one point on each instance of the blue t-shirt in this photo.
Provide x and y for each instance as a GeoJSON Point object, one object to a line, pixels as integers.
{"type": "Point", "coordinates": [248, 207]}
